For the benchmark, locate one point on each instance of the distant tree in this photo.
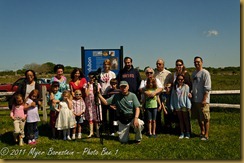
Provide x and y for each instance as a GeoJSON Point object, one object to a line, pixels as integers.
{"type": "Point", "coordinates": [48, 67]}
{"type": "Point", "coordinates": [21, 72]}
{"type": "Point", "coordinates": [68, 69]}
{"type": "Point", "coordinates": [44, 69]}
{"type": "Point", "coordinates": [33, 66]}
{"type": "Point", "coordinates": [8, 72]}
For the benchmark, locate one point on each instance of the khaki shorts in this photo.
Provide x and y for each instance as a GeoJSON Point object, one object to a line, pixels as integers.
{"type": "Point", "coordinates": [200, 112]}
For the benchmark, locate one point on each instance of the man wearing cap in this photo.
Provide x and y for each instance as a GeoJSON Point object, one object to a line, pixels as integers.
{"type": "Point", "coordinates": [127, 111]}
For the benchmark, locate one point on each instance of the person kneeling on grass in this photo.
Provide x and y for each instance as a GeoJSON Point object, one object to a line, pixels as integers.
{"type": "Point", "coordinates": [127, 111]}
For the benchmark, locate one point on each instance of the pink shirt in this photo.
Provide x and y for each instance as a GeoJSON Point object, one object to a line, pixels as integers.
{"type": "Point", "coordinates": [18, 111]}
{"type": "Point", "coordinates": [78, 106]}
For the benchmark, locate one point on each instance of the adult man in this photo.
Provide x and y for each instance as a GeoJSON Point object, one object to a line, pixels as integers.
{"type": "Point", "coordinates": [127, 111]}
{"type": "Point", "coordinates": [131, 75]}
{"type": "Point", "coordinates": [165, 77]}
{"type": "Point", "coordinates": [201, 97]}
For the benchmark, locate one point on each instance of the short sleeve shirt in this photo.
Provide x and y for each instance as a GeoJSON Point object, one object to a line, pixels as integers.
{"type": "Point", "coordinates": [57, 96]}
{"type": "Point", "coordinates": [125, 104]}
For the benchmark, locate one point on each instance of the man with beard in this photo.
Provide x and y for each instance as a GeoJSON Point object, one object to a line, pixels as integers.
{"type": "Point", "coordinates": [201, 87]}
{"type": "Point", "coordinates": [131, 75]}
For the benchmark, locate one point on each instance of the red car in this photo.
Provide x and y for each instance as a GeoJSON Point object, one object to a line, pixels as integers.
{"type": "Point", "coordinates": [14, 87]}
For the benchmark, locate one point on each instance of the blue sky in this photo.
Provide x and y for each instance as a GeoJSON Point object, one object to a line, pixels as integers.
{"type": "Point", "coordinates": [40, 31]}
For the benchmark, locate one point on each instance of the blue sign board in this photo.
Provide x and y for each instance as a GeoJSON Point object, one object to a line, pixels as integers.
{"type": "Point", "coordinates": [92, 59]}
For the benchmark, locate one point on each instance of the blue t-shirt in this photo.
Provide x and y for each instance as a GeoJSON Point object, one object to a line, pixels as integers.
{"type": "Point", "coordinates": [57, 96]}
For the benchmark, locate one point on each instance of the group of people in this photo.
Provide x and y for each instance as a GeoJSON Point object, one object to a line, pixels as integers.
{"type": "Point", "coordinates": [118, 101]}
{"type": "Point", "coordinates": [24, 109]}
{"type": "Point", "coordinates": [178, 95]}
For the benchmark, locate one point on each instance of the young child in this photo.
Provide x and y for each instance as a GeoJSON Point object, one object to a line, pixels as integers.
{"type": "Point", "coordinates": [18, 115]}
{"type": "Point", "coordinates": [65, 119]}
{"type": "Point", "coordinates": [93, 112]}
{"type": "Point", "coordinates": [151, 106]}
{"type": "Point", "coordinates": [113, 124]}
{"type": "Point", "coordinates": [181, 103]}
{"type": "Point", "coordinates": [31, 106]}
{"type": "Point", "coordinates": [170, 118]}
{"type": "Point", "coordinates": [79, 108]}
{"type": "Point", "coordinates": [54, 98]}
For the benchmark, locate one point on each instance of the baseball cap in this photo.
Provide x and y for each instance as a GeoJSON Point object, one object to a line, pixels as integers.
{"type": "Point", "coordinates": [123, 83]}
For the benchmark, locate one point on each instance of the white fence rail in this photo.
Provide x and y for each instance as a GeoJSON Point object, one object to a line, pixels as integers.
{"type": "Point", "coordinates": [225, 92]}
{"type": "Point", "coordinates": [6, 93]}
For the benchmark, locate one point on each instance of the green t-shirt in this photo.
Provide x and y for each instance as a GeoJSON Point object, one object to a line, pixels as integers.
{"type": "Point", "coordinates": [151, 102]}
{"type": "Point", "coordinates": [125, 104]}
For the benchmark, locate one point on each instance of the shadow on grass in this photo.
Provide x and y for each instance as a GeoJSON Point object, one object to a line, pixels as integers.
{"type": "Point", "coordinates": [45, 130]}
{"type": "Point", "coordinates": [7, 138]}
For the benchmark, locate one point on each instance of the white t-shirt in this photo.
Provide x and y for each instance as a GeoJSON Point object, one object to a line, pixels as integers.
{"type": "Point", "coordinates": [106, 77]}
{"type": "Point", "coordinates": [29, 88]}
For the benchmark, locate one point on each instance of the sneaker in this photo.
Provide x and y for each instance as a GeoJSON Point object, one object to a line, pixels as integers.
{"type": "Point", "coordinates": [79, 136]}
{"type": "Point", "coordinates": [68, 137]}
{"type": "Point", "coordinates": [33, 142]}
{"type": "Point", "coordinates": [112, 134]}
{"type": "Point", "coordinates": [204, 138]}
{"type": "Point", "coordinates": [137, 141]}
{"type": "Point", "coordinates": [154, 135]}
{"type": "Point", "coordinates": [181, 136]}
{"type": "Point", "coordinates": [73, 137]}
{"type": "Point", "coordinates": [187, 136]}
{"type": "Point", "coordinates": [29, 141]}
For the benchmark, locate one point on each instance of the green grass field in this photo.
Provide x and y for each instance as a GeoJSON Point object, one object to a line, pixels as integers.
{"type": "Point", "coordinates": [224, 143]}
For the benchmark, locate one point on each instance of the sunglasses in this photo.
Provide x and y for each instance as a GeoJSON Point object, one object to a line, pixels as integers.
{"type": "Point", "coordinates": [78, 94]}
{"type": "Point", "coordinates": [178, 65]}
{"type": "Point", "coordinates": [149, 72]}
{"type": "Point", "coordinates": [180, 79]}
